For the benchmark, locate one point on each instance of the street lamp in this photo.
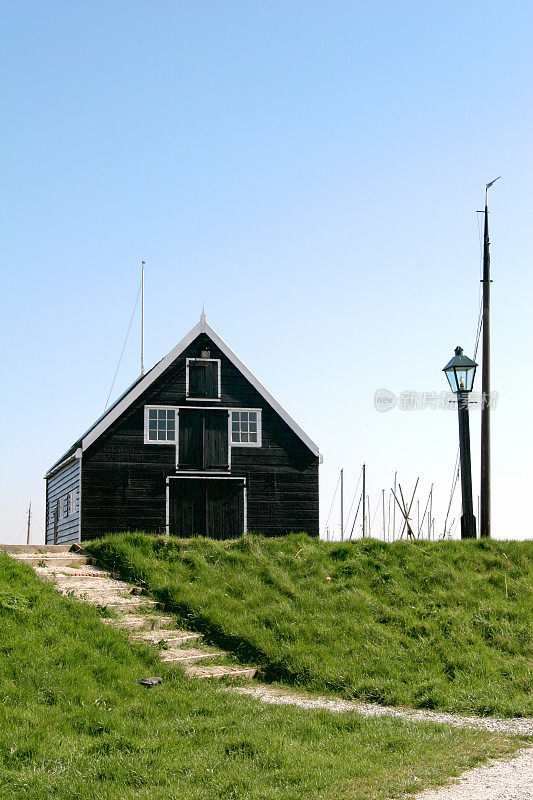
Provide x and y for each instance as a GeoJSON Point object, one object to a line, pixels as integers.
{"type": "Point", "coordinates": [460, 372]}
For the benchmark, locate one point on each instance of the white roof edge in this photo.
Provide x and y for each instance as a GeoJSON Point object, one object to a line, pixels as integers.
{"type": "Point", "coordinates": [256, 383]}
{"type": "Point", "coordinates": [72, 457]}
{"type": "Point", "coordinates": [147, 381]}
{"type": "Point", "coordinates": [202, 327]}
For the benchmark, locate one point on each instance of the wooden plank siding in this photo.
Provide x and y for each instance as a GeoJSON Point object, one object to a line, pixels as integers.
{"type": "Point", "coordinates": [58, 486]}
{"type": "Point", "coordinates": [124, 479]}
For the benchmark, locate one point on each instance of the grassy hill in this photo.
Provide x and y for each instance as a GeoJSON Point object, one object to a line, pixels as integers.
{"type": "Point", "coordinates": [444, 625]}
{"type": "Point", "coordinates": [75, 725]}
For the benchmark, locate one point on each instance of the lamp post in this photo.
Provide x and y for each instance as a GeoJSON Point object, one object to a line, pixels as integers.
{"type": "Point", "coordinates": [460, 372]}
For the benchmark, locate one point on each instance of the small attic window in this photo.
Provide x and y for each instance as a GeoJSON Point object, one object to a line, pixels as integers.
{"type": "Point", "coordinates": [203, 379]}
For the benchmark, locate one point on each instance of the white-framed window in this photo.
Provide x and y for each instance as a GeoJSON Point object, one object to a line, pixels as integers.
{"type": "Point", "coordinates": [202, 378]}
{"type": "Point", "coordinates": [72, 501]}
{"type": "Point", "coordinates": [246, 427]}
{"type": "Point", "coordinates": [160, 425]}
{"type": "Point", "coordinates": [61, 503]}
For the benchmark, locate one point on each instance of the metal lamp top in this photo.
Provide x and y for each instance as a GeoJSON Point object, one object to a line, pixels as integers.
{"type": "Point", "coordinates": [460, 371]}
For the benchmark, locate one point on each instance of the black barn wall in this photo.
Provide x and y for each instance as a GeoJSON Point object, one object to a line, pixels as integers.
{"type": "Point", "coordinates": [124, 479]}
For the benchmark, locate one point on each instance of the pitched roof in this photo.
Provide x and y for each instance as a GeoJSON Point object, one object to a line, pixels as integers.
{"type": "Point", "coordinates": [142, 383]}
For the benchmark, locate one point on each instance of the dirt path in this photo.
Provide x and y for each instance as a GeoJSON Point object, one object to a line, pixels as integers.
{"type": "Point", "coordinates": [517, 726]}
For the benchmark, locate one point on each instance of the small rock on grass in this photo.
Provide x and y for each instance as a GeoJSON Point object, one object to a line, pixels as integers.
{"type": "Point", "coordinates": [149, 682]}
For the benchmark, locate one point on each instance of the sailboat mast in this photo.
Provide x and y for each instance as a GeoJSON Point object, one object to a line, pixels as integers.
{"type": "Point", "coordinates": [394, 511]}
{"type": "Point", "coordinates": [29, 525]}
{"type": "Point", "coordinates": [342, 505]}
{"type": "Point", "coordinates": [484, 522]}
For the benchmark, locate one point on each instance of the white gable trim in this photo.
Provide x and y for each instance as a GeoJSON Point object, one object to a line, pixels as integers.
{"type": "Point", "coordinates": [202, 327]}
{"type": "Point", "coordinates": [64, 462]}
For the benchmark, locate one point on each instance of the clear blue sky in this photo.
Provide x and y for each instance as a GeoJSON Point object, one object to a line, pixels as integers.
{"type": "Point", "coordinates": [310, 171]}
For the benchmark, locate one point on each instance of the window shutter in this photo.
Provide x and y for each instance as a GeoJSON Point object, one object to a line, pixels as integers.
{"type": "Point", "coordinates": [216, 440]}
{"type": "Point", "coordinates": [203, 379]}
{"type": "Point", "coordinates": [191, 440]}
{"type": "Point", "coordinates": [211, 378]}
{"type": "Point", "coordinates": [196, 379]}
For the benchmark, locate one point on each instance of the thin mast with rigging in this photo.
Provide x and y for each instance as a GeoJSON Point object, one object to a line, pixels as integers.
{"type": "Point", "coordinates": [29, 525]}
{"type": "Point", "coordinates": [364, 499]}
{"type": "Point", "coordinates": [342, 505]}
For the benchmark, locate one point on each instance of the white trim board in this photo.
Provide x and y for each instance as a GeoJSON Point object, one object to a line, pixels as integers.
{"type": "Point", "coordinates": [202, 327]}
{"type": "Point", "coordinates": [228, 409]}
{"type": "Point", "coordinates": [79, 502]}
{"type": "Point", "coordinates": [63, 463]}
{"type": "Point", "coordinates": [206, 476]}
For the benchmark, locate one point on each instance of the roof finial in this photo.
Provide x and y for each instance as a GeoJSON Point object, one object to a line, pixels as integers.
{"type": "Point", "coordinates": [202, 316]}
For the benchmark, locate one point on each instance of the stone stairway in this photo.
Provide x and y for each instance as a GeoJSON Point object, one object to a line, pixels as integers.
{"type": "Point", "coordinates": [76, 574]}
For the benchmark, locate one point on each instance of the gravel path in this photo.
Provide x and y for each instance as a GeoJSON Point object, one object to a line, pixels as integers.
{"type": "Point", "coordinates": [267, 694]}
{"type": "Point", "coordinates": [497, 780]}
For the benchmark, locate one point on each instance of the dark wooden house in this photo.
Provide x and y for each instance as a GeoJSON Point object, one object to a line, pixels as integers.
{"type": "Point", "coordinates": [196, 446]}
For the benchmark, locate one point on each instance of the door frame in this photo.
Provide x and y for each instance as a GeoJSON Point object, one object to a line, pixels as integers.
{"type": "Point", "coordinates": [202, 408]}
{"type": "Point", "coordinates": [231, 445]}
{"type": "Point", "coordinates": [203, 477]}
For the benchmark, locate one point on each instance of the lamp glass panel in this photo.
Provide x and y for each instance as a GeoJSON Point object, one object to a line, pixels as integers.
{"type": "Point", "coordinates": [462, 379]}
{"type": "Point", "coordinates": [450, 374]}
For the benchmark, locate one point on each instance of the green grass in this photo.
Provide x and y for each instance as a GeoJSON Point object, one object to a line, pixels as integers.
{"type": "Point", "coordinates": [440, 625]}
{"type": "Point", "coordinates": [75, 725]}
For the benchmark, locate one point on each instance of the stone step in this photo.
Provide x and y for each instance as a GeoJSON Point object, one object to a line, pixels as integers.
{"type": "Point", "coordinates": [139, 622]}
{"type": "Point", "coordinates": [187, 654]}
{"type": "Point", "coordinates": [39, 548]}
{"type": "Point", "coordinates": [100, 583]}
{"type": "Point", "coordinates": [85, 570]}
{"type": "Point", "coordinates": [54, 560]}
{"type": "Point", "coordinates": [118, 604]}
{"type": "Point", "coordinates": [219, 671]}
{"type": "Point", "coordinates": [170, 637]}
{"type": "Point", "coordinates": [74, 574]}
{"type": "Point", "coordinates": [110, 599]}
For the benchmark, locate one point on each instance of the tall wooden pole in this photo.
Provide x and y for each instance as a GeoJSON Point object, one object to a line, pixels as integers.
{"type": "Point", "coordinates": [484, 521]}
{"type": "Point", "coordinates": [364, 499]}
